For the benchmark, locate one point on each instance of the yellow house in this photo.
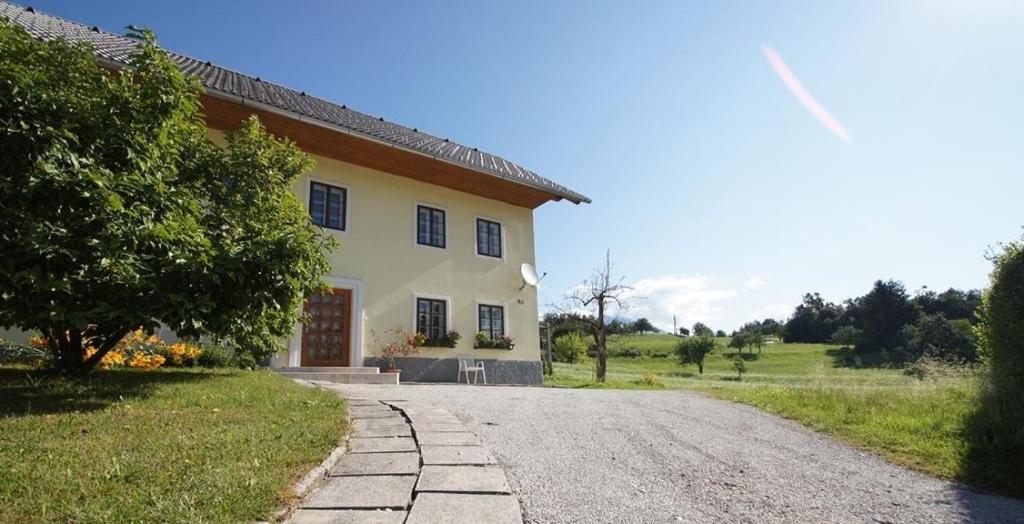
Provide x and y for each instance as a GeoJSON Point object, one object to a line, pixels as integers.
{"type": "Point", "coordinates": [433, 233]}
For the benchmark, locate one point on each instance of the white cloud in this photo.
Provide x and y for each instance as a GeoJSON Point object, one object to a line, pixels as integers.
{"type": "Point", "coordinates": [755, 282]}
{"type": "Point", "coordinates": [690, 298]}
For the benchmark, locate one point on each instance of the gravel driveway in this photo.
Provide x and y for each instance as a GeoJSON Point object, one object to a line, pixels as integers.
{"type": "Point", "coordinates": [677, 456]}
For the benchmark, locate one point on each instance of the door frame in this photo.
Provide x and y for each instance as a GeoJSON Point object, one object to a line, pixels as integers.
{"type": "Point", "coordinates": [355, 333]}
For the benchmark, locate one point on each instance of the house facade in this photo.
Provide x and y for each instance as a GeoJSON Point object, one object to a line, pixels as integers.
{"type": "Point", "coordinates": [433, 233]}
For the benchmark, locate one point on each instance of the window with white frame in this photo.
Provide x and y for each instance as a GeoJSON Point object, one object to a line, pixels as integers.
{"type": "Point", "coordinates": [488, 238]}
{"type": "Point", "coordinates": [432, 317]}
{"type": "Point", "coordinates": [491, 321]}
{"type": "Point", "coordinates": [430, 227]}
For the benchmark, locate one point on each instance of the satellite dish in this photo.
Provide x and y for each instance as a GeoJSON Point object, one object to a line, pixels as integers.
{"type": "Point", "coordinates": [530, 277]}
{"type": "Point", "coordinates": [529, 274]}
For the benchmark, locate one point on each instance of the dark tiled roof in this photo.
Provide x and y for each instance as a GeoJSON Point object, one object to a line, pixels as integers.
{"type": "Point", "coordinates": [118, 49]}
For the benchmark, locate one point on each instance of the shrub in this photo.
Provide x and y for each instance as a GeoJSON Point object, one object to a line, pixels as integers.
{"type": "Point", "coordinates": [215, 356]}
{"type": "Point", "coordinates": [1001, 332]}
{"type": "Point", "coordinates": [571, 348]}
{"type": "Point", "coordinates": [627, 353]}
{"type": "Point", "coordinates": [11, 353]}
{"type": "Point", "coordinates": [693, 350]}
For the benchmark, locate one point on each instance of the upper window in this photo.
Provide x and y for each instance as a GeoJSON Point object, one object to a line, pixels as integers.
{"type": "Point", "coordinates": [327, 205]}
{"type": "Point", "coordinates": [491, 320]}
{"type": "Point", "coordinates": [432, 317]}
{"type": "Point", "coordinates": [488, 238]}
{"type": "Point", "coordinates": [430, 229]}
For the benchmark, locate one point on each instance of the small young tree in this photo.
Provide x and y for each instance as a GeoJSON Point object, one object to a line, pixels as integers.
{"type": "Point", "coordinates": [597, 294]}
{"type": "Point", "coordinates": [684, 332]}
{"type": "Point", "coordinates": [693, 350]}
{"type": "Point", "coordinates": [118, 211]}
{"type": "Point", "coordinates": [740, 366]}
{"type": "Point", "coordinates": [720, 333]}
{"type": "Point", "coordinates": [739, 340]}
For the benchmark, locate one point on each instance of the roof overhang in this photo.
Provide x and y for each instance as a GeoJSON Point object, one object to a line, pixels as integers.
{"type": "Point", "coordinates": [225, 111]}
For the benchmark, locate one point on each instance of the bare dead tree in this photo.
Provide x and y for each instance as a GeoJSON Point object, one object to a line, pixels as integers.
{"type": "Point", "coordinates": [596, 295]}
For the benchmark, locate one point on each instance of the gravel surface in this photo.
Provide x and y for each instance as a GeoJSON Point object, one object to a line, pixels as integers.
{"type": "Point", "coordinates": [677, 456]}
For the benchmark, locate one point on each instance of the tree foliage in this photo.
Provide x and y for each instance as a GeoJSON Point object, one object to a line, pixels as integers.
{"type": "Point", "coordinates": [570, 347]}
{"type": "Point", "coordinates": [693, 350]}
{"type": "Point", "coordinates": [1001, 333]}
{"type": "Point", "coordinates": [642, 325]}
{"type": "Point", "coordinates": [701, 329]}
{"type": "Point", "coordinates": [119, 212]}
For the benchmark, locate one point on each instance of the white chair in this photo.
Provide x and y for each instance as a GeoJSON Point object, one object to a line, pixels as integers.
{"type": "Point", "coordinates": [468, 365]}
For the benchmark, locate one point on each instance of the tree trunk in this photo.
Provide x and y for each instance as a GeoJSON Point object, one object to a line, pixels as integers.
{"type": "Point", "coordinates": [700, 367]}
{"type": "Point", "coordinates": [67, 346]}
{"type": "Point", "coordinates": [108, 344]}
{"type": "Point", "coordinates": [601, 341]}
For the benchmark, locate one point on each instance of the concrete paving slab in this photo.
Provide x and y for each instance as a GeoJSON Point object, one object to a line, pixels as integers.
{"type": "Point", "coordinates": [449, 508]}
{"type": "Point", "coordinates": [441, 428]}
{"type": "Point", "coordinates": [347, 516]}
{"type": "Point", "coordinates": [381, 445]}
{"type": "Point", "coordinates": [429, 438]}
{"type": "Point", "coordinates": [433, 419]}
{"type": "Point", "coordinates": [376, 414]}
{"type": "Point", "coordinates": [463, 479]}
{"type": "Point", "coordinates": [456, 455]}
{"type": "Point", "coordinates": [388, 491]}
{"type": "Point", "coordinates": [372, 409]}
{"type": "Point", "coordinates": [383, 431]}
{"type": "Point", "coordinates": [365, 423]}
{"type": "Point", "coordinates": [405, 463]}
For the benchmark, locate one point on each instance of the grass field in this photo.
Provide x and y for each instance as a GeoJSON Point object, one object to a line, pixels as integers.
{"type": "Point", "coordinates": [157, 446]}
{"type": "Point", "coordinates": [925, 423]}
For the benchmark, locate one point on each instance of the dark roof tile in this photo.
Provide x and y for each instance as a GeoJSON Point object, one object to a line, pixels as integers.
{"type": "Point", "coordinates": [118, 49]}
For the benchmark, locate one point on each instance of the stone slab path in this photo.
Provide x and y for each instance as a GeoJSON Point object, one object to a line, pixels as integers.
{"type": "Point", "coordinates": [411, 462]}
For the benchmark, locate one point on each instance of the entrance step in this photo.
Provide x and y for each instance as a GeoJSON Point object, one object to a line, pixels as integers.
{"type": "Point", "coordinates": [343, 377]}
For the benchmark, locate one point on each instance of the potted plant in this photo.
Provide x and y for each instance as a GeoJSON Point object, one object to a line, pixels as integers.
{"type": "Point", "coordinates": [397, 343]}
{"type": "Point", "coordinates": [485, 342]}
{"type": "Point", "coordinates": [448, 340]}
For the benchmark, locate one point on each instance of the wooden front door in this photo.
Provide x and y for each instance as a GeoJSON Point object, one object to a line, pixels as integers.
{"type": "Point", "coordinates": [326, 338]}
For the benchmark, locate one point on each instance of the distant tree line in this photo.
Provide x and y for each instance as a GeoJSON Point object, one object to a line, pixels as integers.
{"type": "Point", "coordinates": [889, 325]}
{"type": "Point", "coordinates": [565, 323]}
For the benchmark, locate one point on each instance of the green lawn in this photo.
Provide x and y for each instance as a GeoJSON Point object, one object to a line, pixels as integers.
{"type": "Point", "coordinates": [925, 424]}
{"type": "Point", "coordinates": [165, 445]}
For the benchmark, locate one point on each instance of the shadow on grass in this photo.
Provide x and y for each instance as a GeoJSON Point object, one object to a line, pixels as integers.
{"type": "Point", "coordinates": [846, 357]}
{"type": "Point", "coordinates": [995, 448]}
{"type": "Point", "coordinates": [749, 357]}
{"type": "Point", "coordinates": [33, 392]}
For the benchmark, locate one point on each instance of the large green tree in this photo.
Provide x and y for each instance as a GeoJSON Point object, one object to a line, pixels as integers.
{"type": "Point", "coordinates": [119, 212]}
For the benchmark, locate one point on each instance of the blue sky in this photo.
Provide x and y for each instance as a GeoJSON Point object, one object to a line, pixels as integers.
{"type": "Point", "coordinates": [719, 194]}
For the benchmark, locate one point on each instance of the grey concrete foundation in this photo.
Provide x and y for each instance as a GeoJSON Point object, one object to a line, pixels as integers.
{"type": "Point", "coordinates": [527, 372]}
